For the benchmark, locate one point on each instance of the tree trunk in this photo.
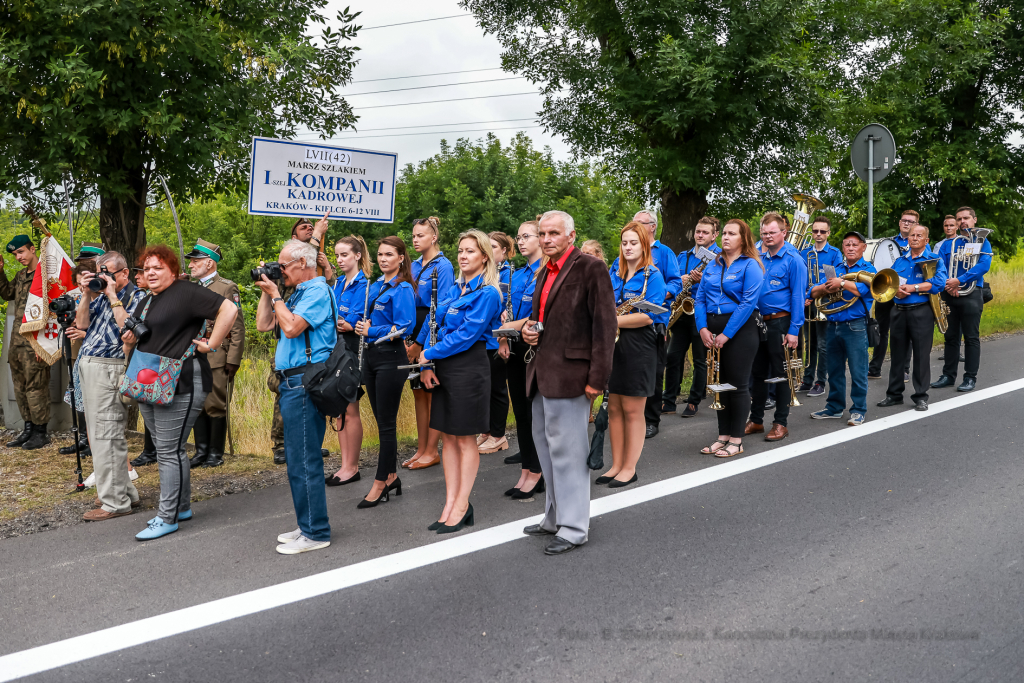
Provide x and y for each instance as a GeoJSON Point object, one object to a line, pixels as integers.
{"type": "Point", "coordinates": [680, 212]}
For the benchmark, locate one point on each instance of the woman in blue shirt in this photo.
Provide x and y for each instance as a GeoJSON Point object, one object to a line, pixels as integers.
{"type": "Point", "coordinates": [724, 308]}
{"type": "Point", "coordinates": [392, 310]}
{"type": "Point", "coordinates": [636, 353]}
{"type": "Point", "coordinates": [461, 376]}
{"type": "Point", "coordinates": [350, 294]}
{"type": "Point", "coordinates": [524, 281]}
{"type": "Point", "coordinates": [494, 439]}
{"type": "Point", "coordinates": [425, 235]}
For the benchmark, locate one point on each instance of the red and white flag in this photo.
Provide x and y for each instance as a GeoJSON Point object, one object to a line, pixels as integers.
{"type": "Point", "coordinates": [52, 279]}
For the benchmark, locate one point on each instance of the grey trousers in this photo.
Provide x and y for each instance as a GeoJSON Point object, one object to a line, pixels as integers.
{"type": "Point", "coordinates": [170, 426]}
{"type": "Point", "coordinates": [560, 434]}
{"type": "Point", "coordinates": [104, 421]}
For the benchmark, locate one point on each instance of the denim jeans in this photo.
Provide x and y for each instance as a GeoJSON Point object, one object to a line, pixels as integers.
{"type": "Point", "coordinates": [304, 429]}
{"type": "Point", "coordinates": [847, 341]}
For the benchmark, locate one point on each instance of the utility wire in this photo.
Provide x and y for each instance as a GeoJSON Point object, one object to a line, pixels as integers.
{"type": "Point", "coordinates": [442, 73]}
{"type": "Point", "coordinates": [419, 21]}
{"type": "Point", "coordinates": [435, 132]}
{"type": "Point", "coordinates": [436, 125]}
{"type": "Point", "coordinates": [441, 85]}
{"type": "Point", "coordinates": [458, 99]}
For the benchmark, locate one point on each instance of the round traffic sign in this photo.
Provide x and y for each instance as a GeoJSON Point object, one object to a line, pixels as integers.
{"type": "Point", "coordinates": [884, 151]}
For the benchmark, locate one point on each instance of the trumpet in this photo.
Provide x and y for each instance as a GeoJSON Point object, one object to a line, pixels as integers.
{"type": "Point", "coordinates": [884, 284]}
{"type": "Point", "coordinates": [794, 365]}
{"type": "Point", "coordinates": [714, 383]}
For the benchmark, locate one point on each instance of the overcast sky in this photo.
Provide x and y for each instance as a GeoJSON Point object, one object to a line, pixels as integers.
{"type": "Point", "coordinates": [429, 48]}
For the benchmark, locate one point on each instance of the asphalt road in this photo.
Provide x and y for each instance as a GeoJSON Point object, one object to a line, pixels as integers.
{"type": "Point", "coordinates": [893, 556]}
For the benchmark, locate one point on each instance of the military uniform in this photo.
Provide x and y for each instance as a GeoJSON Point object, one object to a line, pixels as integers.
{"type": "Point", "coordinates": [31, 376]}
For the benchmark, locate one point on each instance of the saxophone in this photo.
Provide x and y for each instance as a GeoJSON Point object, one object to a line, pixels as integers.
{"type": "Point", "coordinates": [939, 307]}
{"type": "Point", "coordinates": [683, 304]}
{"type": "Point", "coordinates": [623, 308]}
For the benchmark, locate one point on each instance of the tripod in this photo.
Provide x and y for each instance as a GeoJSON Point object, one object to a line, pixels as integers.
{"type": "Point", "coordinates": [65, 323]}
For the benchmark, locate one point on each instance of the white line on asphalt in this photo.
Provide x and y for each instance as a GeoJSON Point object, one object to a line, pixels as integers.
{"type": "Point", "coordinates": [90, 645]}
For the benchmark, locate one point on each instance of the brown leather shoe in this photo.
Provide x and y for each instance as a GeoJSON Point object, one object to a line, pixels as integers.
{"type": "Point", "coordinates": [99, 503]}
{"type": "Point", "coordinates": [753, 428]}
{"type": "Point", "coordinates": [101, 515]}
{"type": "Point", "coordinates": [778, 433]}
{"type": "Point", "coordinates": [424, 464]}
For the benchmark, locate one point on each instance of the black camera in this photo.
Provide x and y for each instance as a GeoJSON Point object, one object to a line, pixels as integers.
{"type": "Point", "coordinates": [98, 283]}
{"type": "Point", "coordinates": [272, 270]}
{"type": "Point", "coordinates": [64, 306]}
{"type": "Point", "coordinates": [136, 326]}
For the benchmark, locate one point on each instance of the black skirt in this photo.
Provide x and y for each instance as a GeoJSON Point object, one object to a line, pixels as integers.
{"type": "Point", "coordinates": [461, 403]}
{"type": "Point", "coordinates": [634, 362]}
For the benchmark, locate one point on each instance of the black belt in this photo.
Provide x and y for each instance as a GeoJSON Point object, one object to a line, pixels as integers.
{"type": "Point", "coordinates": [290, 372]}
{"type": "Point", "coordinates": [907, 307]}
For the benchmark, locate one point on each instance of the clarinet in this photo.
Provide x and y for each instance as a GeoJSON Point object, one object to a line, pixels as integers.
{"type": "Point", "coordinates": [431, 321]}
{"type": "Point", "coordinates": [362, 338]}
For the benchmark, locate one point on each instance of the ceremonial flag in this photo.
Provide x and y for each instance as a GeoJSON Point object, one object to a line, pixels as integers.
{"type": "Point", "coordinates": [52, 279]}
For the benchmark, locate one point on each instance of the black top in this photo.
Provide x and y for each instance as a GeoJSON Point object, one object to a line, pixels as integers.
{"type": "Point", "coordinates": [174, 318]}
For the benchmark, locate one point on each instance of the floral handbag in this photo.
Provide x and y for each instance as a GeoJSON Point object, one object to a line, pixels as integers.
{"type": "Point", "coordinates": [150, 378]}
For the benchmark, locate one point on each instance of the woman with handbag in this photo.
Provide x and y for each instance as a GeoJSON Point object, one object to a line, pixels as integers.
{"type": "Point", "coordinates": [726, 313]}
{"type": "Point", "coordinates": [350, 293]}
{"type": "Point", "coordinates": [636, 353]}
{"type": "Point", "coordinates": [175, 314]}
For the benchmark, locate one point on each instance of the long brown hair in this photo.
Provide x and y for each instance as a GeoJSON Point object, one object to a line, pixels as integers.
{"type": "Point", "coordinates": [506, 242]}
{"type": "Point", "coordinates": [645, 247]}
{"type": "Point", "coordinates": [356, 244]}
{"type": "Point", "coordinates": [746, 237]}
{"type": "Point", "coordinates": [404, 270]}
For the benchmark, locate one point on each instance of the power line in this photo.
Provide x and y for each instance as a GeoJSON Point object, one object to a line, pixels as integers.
{"type": "Point", "coordinates": [442, 73]}
{"type": "Point", "coordinates": [436, 125]}
{"type": "Point", "coordinates": [435, 132]}
{"type": "Point", "coordinates": [441, 85]}
{"type": "Point", "coordinates": [458, 99]}
{"type": "Point", "coordinates": [419, 21]}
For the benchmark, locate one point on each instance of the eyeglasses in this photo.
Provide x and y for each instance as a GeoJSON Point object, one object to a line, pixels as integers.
{"type": "Point", "coordinates": [285, 265]}
{"type": "Point", "coordinates": [820, 232]}
{"type": "Point", "coordinates": [907, 221]}
{"type": "Point", "coordinates": [523, 238]}
{"type": "Point", "coordinates": [647, 222]}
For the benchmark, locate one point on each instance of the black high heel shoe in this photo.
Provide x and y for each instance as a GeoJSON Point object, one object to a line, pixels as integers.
{"type": "Point", "coordinates": [395, 486]}
{"type": "Point", "coordinates": [512, 491]}
{"type": "Point", "coordinates": [333, 480]}
{"type": "Point", "coordinates": [382, 498]}
{"type": "Point", "coordinates": [435, 526]}
{"type": "Point", "coordinates": [522, 495]}
{"type": "Point", "coordinates": [467, 520]}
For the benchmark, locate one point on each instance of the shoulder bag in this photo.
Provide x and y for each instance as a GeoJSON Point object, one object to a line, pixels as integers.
{"type": "Point", "coordinates": [150, 378]}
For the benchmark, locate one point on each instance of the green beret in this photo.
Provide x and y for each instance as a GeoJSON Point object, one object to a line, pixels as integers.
{"type": "Point", "coordinates": [18, 242]}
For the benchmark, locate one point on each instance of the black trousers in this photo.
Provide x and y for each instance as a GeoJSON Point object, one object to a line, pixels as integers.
{"type": "Point", "coordinates": [499, 394]}
{"type": "Point", "coordinates": [964, 319]}
{"type": "Point", "coordinates": [736, 359]}
{"type": "Point", "coordinates": [384, 384]}
{"type": "Point", "coordinates": [770, 362]}
{"type": "Point", "coordinates": [911, 328]}
{"type": "Point", "coordinates": [883, 314]}
{"type": "Point", "coordinates": [685, 336]}
{"type": "Point", "coordinates": [652, 411]}
{"type": "Point", "coordinates": [522, 407]}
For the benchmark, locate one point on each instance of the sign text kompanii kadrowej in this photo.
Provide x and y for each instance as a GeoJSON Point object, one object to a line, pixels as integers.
{"type": "Point", "coordinates": [290, 178]}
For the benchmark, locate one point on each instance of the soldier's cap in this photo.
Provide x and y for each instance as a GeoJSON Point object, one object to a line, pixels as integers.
{"type": "Point", "coordinates": [18, 242]}
{"type": "Point", "coordinates": [301, 221]}
{"type": "Point", "coordinates": [90, 250]}
{"type": "Point", "coordinates": [854, 233]}
{"type": "Point", "coordinates": [204, 249]}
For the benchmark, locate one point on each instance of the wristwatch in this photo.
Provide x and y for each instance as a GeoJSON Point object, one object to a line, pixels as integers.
{"type": "Point", "coordinates": [275, 300]}
{"type": "Point", "coordinates": [917, 288]}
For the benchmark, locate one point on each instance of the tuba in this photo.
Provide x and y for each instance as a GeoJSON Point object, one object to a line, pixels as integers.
{"type": "Point", "coordinates": [806, 205]}
{"type": "Point", "coordinates": [939, 307]}
{"type": "Point", "coordinates": [961, 259]}
{"type": "Point", "coordinates": [884, 284]}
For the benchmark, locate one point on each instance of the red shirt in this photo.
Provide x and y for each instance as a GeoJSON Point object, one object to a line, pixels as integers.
{"type": "Point", "coordinates": [554, 268]}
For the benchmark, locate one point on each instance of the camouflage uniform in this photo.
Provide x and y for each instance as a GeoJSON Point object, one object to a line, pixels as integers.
{"type": "Point", "coordinates": [31, 376]}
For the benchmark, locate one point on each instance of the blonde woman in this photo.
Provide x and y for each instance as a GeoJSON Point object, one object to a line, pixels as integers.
{"type": "Point", "coordinates": [461, 374]}
{"type": "Point", "coordinates": [593, 248]}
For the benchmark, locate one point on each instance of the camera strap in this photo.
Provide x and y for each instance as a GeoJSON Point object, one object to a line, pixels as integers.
{"type": "Point", "coordinates": [334, 319]}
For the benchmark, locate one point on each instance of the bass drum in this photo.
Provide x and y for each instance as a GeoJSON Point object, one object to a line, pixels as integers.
{"type": "Point", "coordinates": [883, 252]}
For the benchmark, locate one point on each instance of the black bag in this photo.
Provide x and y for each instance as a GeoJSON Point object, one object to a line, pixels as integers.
{"type": "Point", "coordinates": [874, 331]}
{"type": "Point", "coordinates": [986, 294]}
{"type": "Point", "coordinates": [595, 459]}
{"type": "Point", "coordinates": [762, 328]}
{"type": "Point", "coordinates": [333, 384]}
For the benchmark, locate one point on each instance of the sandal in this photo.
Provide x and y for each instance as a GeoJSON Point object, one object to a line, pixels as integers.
{"type": "Point", "coordinates": [714, 448]}
{"type": "Point", "coordinates": [726, 453]}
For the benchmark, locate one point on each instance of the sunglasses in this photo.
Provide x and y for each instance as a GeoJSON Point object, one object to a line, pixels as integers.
{"type": "Point", "coordinates": [820, 232]}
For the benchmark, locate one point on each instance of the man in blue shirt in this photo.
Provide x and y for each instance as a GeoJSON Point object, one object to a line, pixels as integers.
{"type": "Point", "coordinates": [306, 320]}
{"type": "Point", "coordinates": [883, 311]}
{"type": "Point", "coordinates": [781, 304]}
{"type": "Point", "coordinates": [912, 320]}
{"type": "Point", "coordinates": [964, 309]}
{"type": "Point", "coordinates": [847, 334]}
{"type": "Point", "coordinates": [816, 257]}
{"type": "Point", "coordinates": [685, 335]}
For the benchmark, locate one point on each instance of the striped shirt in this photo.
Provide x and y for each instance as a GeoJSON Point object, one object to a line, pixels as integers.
{"type": "Point", "coordinates": [103, 338]}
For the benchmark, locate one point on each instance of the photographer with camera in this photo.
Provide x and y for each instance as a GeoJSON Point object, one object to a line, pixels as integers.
{"type": "Point", "coordinates": [108, 298]}
{"type": "Point", "coordinates": [168, 326]}
{"type": "Point", "coordinates": [308, 335]}
{"type": "Point", "coordinates": [76, 336]}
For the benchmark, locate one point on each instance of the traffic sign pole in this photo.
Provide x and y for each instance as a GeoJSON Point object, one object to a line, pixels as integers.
{"type": "Point", "coordinates": [871, 187]}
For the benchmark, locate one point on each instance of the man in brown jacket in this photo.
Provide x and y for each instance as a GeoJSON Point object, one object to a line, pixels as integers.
{"type": "Point", "coordinates": [575, 305]}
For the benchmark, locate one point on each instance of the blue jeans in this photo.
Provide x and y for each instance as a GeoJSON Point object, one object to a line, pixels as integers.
{"type": "Point", "coordinates": [847, 341]}
{"type": "Point", "coordinates": [304, 429]}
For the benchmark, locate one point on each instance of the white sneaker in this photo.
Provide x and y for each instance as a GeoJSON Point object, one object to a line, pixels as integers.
{"type": "Point", "coordinates": [91, 481]}
{"type": "Point", "coordinates": [133, 475]}
{"type": "Point", "coordinates": [290, 536]}
{"type": "Point", "coordinates": [301, 545]}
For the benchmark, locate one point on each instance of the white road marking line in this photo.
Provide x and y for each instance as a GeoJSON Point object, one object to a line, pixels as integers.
{"type": "Point", "coordinates": [80, 648]}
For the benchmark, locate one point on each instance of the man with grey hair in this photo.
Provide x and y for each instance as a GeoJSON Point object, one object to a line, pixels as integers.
{"type": "Point", "coordinates": [307, 335]}
{"type": "Point", "coordinates": [101, 364]}
{"type": "Point", "coordinates": [572, 332]}
{"type": "Point", "coordinates": [664, 260]}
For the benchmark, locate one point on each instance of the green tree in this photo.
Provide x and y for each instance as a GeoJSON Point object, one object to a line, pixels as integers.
{"type": "Point", "coordinates": [689, 99]}
{"type": "Point", "coordinates": [106, 95]}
